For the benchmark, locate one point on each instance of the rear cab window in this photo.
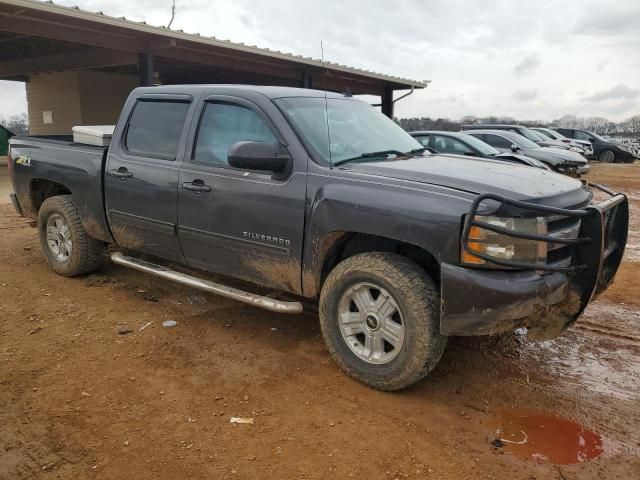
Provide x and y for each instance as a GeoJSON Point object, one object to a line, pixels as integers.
{"type": "Point", "coordinates": [155, 128]}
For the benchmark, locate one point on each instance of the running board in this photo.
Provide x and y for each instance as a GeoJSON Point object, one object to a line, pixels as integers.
{"type": "Point", "coordinates": [191, 281]}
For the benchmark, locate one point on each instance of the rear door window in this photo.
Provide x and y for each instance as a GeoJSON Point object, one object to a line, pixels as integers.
{"type": "Point", "coordinates": [155, 128]}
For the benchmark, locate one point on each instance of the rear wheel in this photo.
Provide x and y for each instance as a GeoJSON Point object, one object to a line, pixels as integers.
{"type": "Point", "coordinates": [379, 314]}
{"type": "Point", "coordinates": [65, 243]}
{"type": "Point", "coordinates": [607, 156]}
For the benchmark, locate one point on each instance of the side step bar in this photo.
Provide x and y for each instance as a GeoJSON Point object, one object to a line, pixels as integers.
{"type": "Point", "coordinates": [191, 281]}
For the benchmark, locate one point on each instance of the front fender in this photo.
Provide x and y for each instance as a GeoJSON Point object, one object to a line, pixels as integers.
{"type": "Point", "coordinates": [428, 219]}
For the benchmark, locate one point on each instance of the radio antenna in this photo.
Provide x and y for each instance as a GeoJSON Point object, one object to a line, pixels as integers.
{"type": "Point", "coordinates": [173, 14]}
{"type": "Point", "coordinates": [326, 103]}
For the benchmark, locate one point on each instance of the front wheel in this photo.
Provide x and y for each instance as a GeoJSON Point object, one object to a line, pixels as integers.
{"type": "Point", "coordinates": [607, 156]}
{"type": "Point", "coordinates": [65, 243]}
{"type": "Point", "coordinates": [379, 314]}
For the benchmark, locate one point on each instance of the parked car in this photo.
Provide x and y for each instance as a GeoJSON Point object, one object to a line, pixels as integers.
{"type": "Point", "coordinates": [583, 144]}
{"type": "Point", "coordinates": [525, 132]}
{"type": "Point", "coordinates": [545, 141]}
{"type": "Point", "coordinates": [562, 161]}
{"type": "Point", "coordinates": [633, 145]}
{"type": "Point", "coordinates": [462, 144]}
{"type": "Point", "coordinates": [320, 195]}
{"type": "Point", "coordinates": [605, 151]}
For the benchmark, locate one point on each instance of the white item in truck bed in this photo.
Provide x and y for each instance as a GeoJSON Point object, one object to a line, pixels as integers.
{"type": "Point", "coordinates": [98, 135]}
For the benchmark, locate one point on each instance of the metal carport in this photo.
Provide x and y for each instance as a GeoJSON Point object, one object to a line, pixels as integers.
{"type": "Point", "coordinates": [42, 37]}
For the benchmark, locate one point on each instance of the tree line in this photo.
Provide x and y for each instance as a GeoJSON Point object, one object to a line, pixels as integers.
{"type": "Point", "coordinates": [18, 124]}
{"type": "Point", "coordinates": [600, 125]}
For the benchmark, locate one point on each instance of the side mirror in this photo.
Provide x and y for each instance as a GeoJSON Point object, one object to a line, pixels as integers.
{"type": "Point", "coordinates": [258, 156]}
{"type": "Point", "coordinates": [514, 148]}
{"type": "Point", "coordinates": [470, 154]}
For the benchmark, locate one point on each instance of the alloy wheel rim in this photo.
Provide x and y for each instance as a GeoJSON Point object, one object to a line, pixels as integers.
{"type": "Point", "coordinates": [59, 238]}
{"type": "Point", "coordinates": [371, 323]}
{"type": "Point", "coordinates": [607, 157]}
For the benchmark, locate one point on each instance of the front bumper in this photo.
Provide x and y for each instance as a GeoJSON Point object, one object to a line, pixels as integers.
{"type": "Point", "coordinates": [623, 156]}
{"type": "Point", "coordinates": [483, 302]}
{"type": "Point", "coordinates": [545, 299]}
{"type": "Point", "coordinates": [574, 169]}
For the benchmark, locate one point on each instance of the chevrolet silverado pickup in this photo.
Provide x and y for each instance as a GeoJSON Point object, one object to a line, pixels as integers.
{"type": "Point", "coordinates": [321, 197]}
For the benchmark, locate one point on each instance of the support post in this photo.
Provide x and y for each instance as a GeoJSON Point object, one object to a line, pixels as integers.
{"type": "Point", "coordinates": [387, 101]}
{"type": "Point", "coordinates": [145, 69]}
{"type": "Point", "coordinates": [307, 80]}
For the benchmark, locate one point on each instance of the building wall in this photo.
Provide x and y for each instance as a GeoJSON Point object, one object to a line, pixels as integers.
{"type": "Point", "coordinates": [58, 93]}
{"type": "Point", "coordinates": [76, 98]}
{"type": "Point", "coordinates": [102, 96]}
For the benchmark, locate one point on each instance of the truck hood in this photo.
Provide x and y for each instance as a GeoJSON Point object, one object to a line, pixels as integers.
{"type": "Point", "coordinates": [532, 162]}
{"type": "Point", "coordinates": [474, 175]}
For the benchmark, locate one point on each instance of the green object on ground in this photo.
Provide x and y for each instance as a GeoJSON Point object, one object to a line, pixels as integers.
{"type": "Point", "coordinates": [5, 135]}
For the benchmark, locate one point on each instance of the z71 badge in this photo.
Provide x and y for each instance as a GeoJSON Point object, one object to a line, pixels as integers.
{"type": "Point", "coordinates": [23, 160]}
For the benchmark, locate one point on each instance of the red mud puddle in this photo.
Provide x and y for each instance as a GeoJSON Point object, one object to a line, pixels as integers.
{"type": "Point", "coordinates": [541, 436]}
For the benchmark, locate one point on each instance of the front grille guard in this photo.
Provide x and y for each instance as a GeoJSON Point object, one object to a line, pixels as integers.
{"type": "Point", "coordinates": [470, 221]}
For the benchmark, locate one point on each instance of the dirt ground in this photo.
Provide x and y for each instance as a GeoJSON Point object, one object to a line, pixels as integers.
{"type": "Point", "coordinates": [78, 399]}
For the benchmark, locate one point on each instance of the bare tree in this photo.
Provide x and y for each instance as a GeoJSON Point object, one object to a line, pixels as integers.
{"type": "Point", "coordinates": [601, 125]}
{"type": "Point", "coordinates": [632, 125]}
{"type": "Point", "coordinates": [18, 124]}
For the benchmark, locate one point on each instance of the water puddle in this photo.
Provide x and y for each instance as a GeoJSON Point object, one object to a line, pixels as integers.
{"type": "Point", "coordinates": [534, 435]}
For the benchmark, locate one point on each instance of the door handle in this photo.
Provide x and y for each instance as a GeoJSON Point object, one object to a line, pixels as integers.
{"type": "Point", "coordinates": [121, 173]}
{"type": "Point", "coordinates": [197, 186]}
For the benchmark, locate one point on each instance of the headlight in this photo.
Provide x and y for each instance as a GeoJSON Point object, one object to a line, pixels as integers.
{"type": "Point", "coordinates": [504, 247]}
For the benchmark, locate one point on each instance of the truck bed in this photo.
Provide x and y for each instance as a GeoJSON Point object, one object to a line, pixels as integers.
{"type": "Point", "coordinates": [56, 161]}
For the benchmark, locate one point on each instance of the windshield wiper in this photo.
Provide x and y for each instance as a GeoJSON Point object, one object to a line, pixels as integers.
{"type": "Point", "coordinates": [420, 150]}
{"type": "Point", "coordinates": [381, 153]}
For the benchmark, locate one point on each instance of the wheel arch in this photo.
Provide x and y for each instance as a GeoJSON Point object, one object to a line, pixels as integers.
{"type": "Point", "coordinates": [337, 246]}
{"type": "Point", "coordinates": [41, 189]}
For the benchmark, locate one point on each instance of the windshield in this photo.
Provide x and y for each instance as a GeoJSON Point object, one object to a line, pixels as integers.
{"type": "Point", "coordinates": [355, 128]}
{"type": "Point", "coordinates": [523, 142]}
{"type": "Point", "coordinates": [545, 133]}
{"type": "Point", "coordinates": [555, 135]}
{"type": "Point", "coordinates": [531, 135]}
{"type": "Point", "coordinates": [479, 145]}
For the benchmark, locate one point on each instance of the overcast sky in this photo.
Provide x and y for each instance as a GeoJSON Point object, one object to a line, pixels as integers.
{"type": "Point", "coordinates": [528, 59]}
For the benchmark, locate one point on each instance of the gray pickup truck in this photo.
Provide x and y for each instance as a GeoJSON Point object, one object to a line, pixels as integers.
{"type": "Point", "coordinates": [321, 196]}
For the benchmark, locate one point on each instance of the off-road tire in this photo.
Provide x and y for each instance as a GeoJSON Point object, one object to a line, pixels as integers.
{"type": "Point", "coordinates": [417, 297]}
{"type": "Point", "coordinates": [87, 254]}
{"type": "Point", "coordinates": [602, 156]}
